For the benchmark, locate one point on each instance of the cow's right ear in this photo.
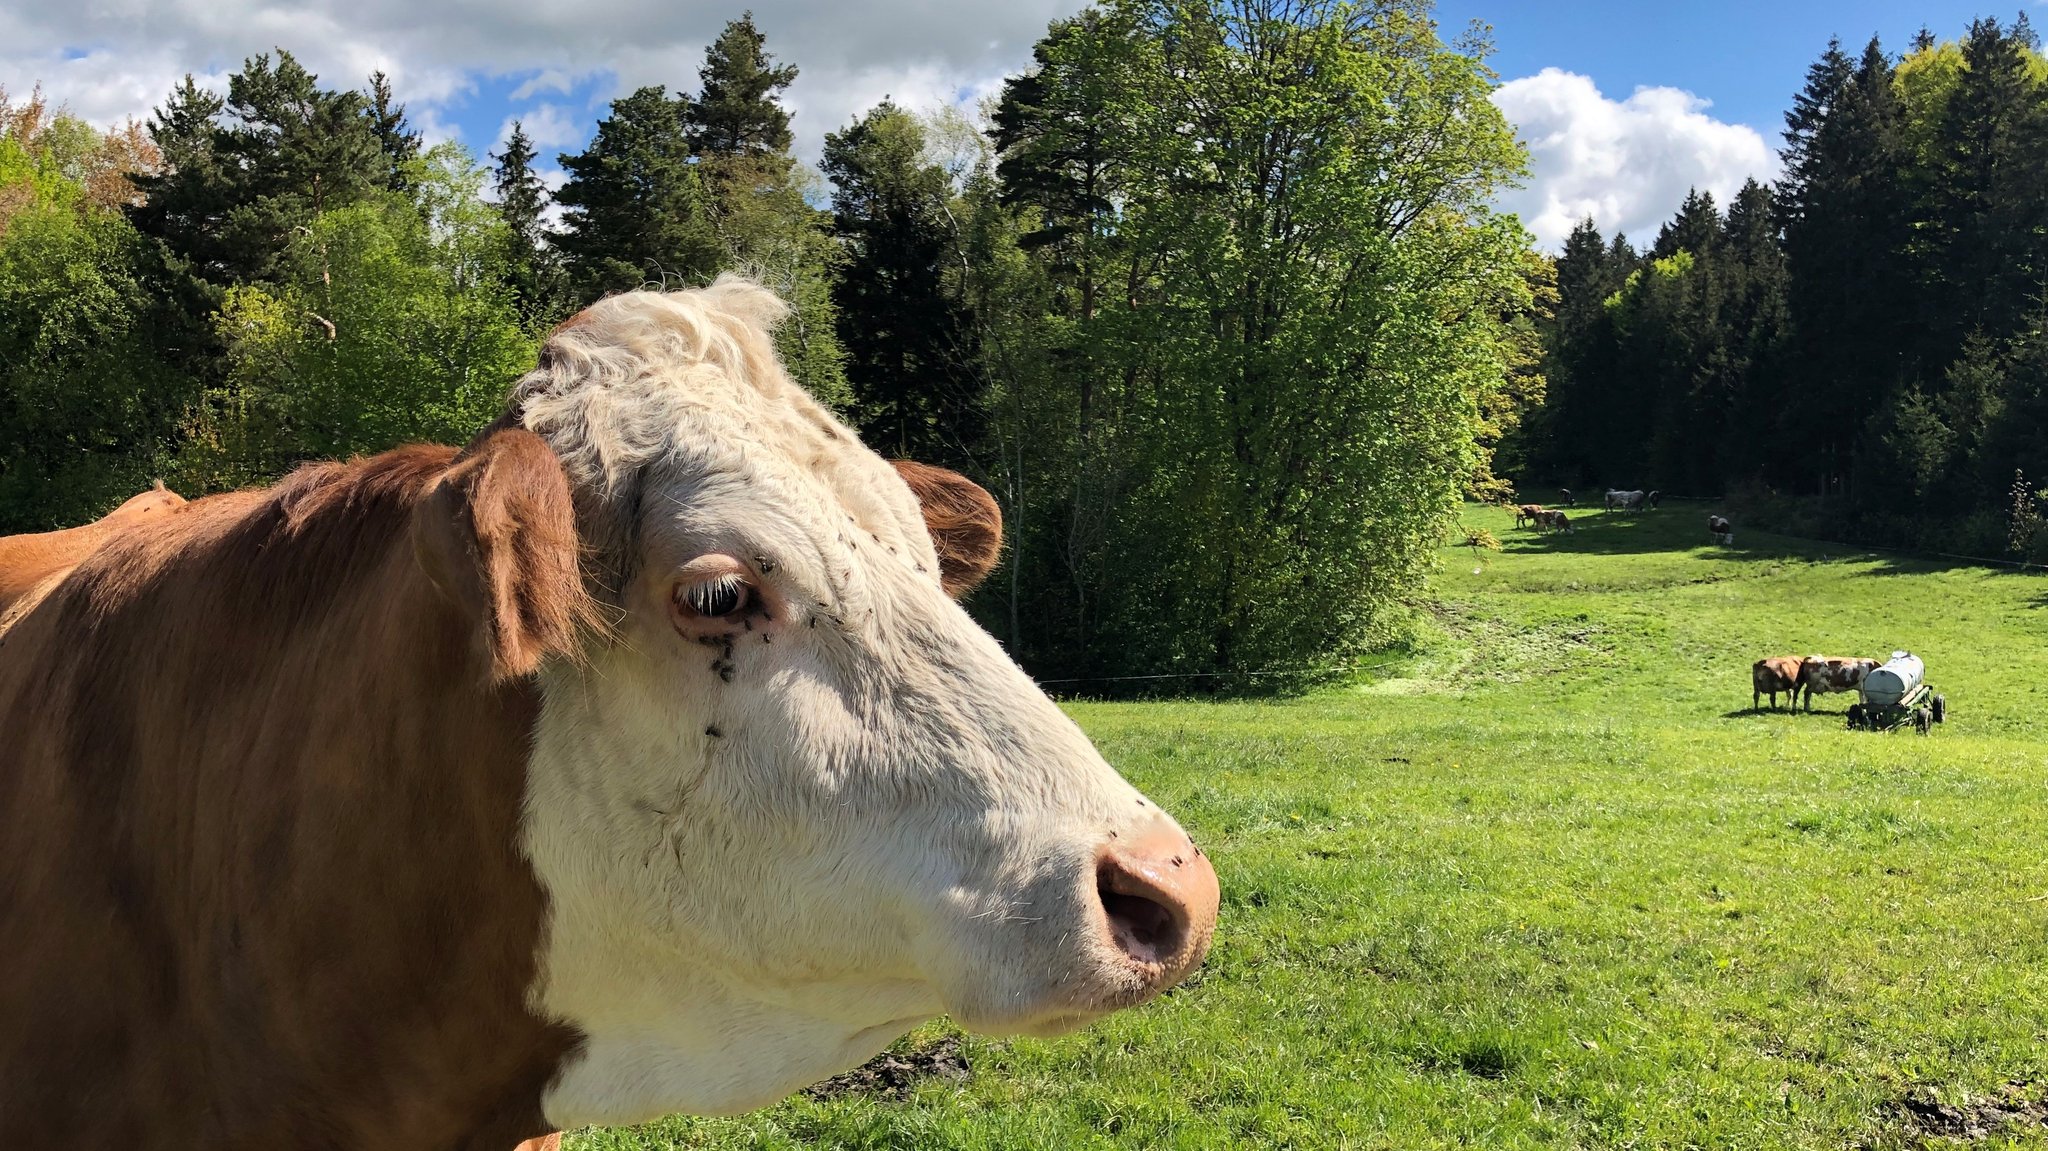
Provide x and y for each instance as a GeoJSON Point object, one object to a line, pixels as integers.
{"type": "Point", "coordinates": [497, 535]}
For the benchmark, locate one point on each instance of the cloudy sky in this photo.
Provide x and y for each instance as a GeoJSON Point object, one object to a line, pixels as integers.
{"type": "Point", "coordinates": [1623, 104]}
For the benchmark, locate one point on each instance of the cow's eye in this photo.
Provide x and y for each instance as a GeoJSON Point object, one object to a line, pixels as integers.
{"type": "Point", "coordinates": [718, 597]}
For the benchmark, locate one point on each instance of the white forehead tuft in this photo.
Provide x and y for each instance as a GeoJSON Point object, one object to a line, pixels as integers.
{"type": "Point", "coordinates": [641, 378]}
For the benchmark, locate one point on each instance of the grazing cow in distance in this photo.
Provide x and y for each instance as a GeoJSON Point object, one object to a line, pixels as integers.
{"type": "Point", "coordinates": [1528, 513]}
{"type": "Point", "coordinates": [1772, 675]}
{"type": "Point", "coordinates": [29, 560]}
{"type": "Point", "coordinates": [1554, 520]}
{"type": "Point", "coordinates": [1625, 501]}
{"type": "Point", "coordinates": [1721, 530]}
{"type": "Point", "coordinates": [633, 759]}
{"type": "Point", "coordinates": [1652, 499]}
{"type": "Point", "coordinates": [1565, 497]}
{"type": "Point", "coordinates": [1825, 674]}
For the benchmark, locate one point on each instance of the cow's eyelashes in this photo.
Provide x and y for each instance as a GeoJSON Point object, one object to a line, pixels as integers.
{"type": "Point", "coordinates": [719, 597]}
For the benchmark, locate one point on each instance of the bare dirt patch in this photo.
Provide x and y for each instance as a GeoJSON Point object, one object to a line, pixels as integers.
{"type": "Point", "coordinates": [1925, 1116]}
{"type": "Point", "coordinates": [894, 1076]}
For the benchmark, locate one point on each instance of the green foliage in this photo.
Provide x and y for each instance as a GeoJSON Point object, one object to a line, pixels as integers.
{"type": "Point", "coordinates": [538, 281]}
{"type": "Point", "coordinates": [242, 174]}
{"type": "Point", "coordinates": [910, 357]}
{"type": "Point", "coordinates": [636, 211]}
{"type": "Point", "coordinates": [759, 200]}
{"type": "Point", "coordinates": [84, 405]}
{"type": "Point", "coordinates": [395, 322]}
{"type": "Point", "coordinates": [1277, 306]}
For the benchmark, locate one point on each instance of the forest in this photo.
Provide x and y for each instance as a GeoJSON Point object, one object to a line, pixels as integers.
{"type": "Point", "coordinates": [1857, 352]}
{"type": "Point", "coordinates": [1214, 297]}
{"type": "Point", "coordinates": [1214, 300]}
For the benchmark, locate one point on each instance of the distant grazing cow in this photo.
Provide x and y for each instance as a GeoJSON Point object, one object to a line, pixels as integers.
{"type": "Point", "coordinates": [1565, 497]}
{"type": "Point", "coordinates": [1528, 513]}
{"type": "Point", "coordinates": [632, 759]}
{"type": "Point", "coordinates": [1825, 674]}
{"type": "Point", "coordinates": [1772, 675]}
{"type": "Point", "coordinates": [1625, 501]}
{"type": "Point", "coordinates": [1554, 520]}
{"type": "Point", "coordinates": [1652, 499]}
{"type": "Point", "coordinates": [1722, 531]}
{"type": "Point", "coordinates": [28, 560]}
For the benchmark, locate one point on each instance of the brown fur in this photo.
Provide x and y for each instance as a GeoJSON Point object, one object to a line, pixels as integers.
{"type": "Point", "coordinates": [260, 793]}
{"type": "Point", "coordinates": [1772, 675]}
{"type": "Point", "coordinates": [965, 523]}
{"type": "Point", "coordinates": [27, 561]}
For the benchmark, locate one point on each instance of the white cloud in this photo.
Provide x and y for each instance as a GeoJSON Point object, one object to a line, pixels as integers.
{"type": "Point", "coordinates": [549, 127]}
{"type": "Point", "coordinates": [112, 59]}
{"type": "Point", "coordinates": [1626, 163]}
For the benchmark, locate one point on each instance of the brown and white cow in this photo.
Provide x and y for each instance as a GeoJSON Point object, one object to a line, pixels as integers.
{"type": "Point", "coordinates": [1771, 675]}
{"type": "Point", "coordinates": [1528, 513]}
{"type": "Point", "coordinates": [1823, 674]}
{"type": "Point", "coordinates": [29, 560]}
{"type": "Point", "coordinates": [631, 760]}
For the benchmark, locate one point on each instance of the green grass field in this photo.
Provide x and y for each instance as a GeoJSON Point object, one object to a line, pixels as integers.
{"type": "Point", "coordinates": [1547, 881]}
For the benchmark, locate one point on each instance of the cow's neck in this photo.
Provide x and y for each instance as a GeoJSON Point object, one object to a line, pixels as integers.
{"type": "Point", "coordinates": [276, 834]}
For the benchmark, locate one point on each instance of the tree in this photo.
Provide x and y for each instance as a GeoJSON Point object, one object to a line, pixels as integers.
{"type": "Point", "coordinates": [241, 175]}
{"type": "Point", "coordinates": [535, 272]}
{"type": "Point", "coordinates": [1987, 208]}
{"type": "Point", "coordinates": [1696, 228]}
{"type": "Point", "coordinates": [1847, 220]}
{"type": "Point", "coordinates": [85, 405]}
{"type": "Point", "coordinates": [909, 353]}
{"type": "Point", "coordinates": [737, 112]}
{"type": "Point", "coordinates": [1300, 294]}
{"type": "Point", "coordinates": [396, 321]}
{"type": "Point", "coordinates": [758, 199]}
{"type": "Point", "coordinates": [635, 205]}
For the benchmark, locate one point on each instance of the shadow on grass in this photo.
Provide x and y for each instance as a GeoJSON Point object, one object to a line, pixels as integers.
{"type": "Point", "coordinates": [1749, 712]}
{"type": "Point", "coordinates": [1684, 529]}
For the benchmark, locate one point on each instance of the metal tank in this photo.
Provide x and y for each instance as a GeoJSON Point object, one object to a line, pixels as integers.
{"type": "Point", "coordinates": [1891, 683]}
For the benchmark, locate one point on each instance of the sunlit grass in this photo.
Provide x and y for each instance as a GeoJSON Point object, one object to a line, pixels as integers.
{"type": "Point", "coordinates": [1550, 882]}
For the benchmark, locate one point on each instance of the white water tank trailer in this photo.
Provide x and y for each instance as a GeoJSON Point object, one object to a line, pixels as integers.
{"type": "Point", "coordinates": [1892, 682]}
{"type": "Point", "coordinates": [1895, 694]}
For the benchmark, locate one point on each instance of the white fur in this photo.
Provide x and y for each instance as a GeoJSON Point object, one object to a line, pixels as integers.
{"type": "Point", "coordinates": [892, 821]}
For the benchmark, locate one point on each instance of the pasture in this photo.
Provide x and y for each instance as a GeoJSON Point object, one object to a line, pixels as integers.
{"type": "Point", "coordinates": [1545, 880]}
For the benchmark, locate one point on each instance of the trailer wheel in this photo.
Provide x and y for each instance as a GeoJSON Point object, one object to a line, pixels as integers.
{"type": "Point", "coordinates": [1940, 709]}
{"type": "Point", "coordinates": [1923, 720]}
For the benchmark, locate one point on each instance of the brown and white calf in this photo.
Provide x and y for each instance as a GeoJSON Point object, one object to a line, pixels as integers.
{"type": "Point", "coordinates": [1823, 674]}
{"type": "Point", "coordinates": [1771, 675]}
{"type": "Point", "coordinates": [633, 759]}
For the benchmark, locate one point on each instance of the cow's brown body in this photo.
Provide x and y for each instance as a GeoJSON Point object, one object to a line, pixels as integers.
{"type": "Point", "coordinates": [28, 561]}
{"type": "Point", "coordinates": [264, 890]}
{"type": "Point", "coordinates": [1771, 675]}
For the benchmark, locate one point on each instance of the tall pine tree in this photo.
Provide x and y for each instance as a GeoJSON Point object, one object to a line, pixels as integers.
{"type": "Point", "coordinates": [636, 211]}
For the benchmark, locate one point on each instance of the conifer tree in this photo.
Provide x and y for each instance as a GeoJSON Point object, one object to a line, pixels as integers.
{"type": "Point", "coordinates": [635, 205]}
{"type": "Point", "coordinates": [536, 276]}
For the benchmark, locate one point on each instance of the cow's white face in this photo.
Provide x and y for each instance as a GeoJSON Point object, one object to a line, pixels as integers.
{"type": "Point", "coordinates": [798, 801]}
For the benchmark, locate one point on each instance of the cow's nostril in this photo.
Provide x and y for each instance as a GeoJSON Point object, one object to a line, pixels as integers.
{"type": "Point", "coordinates": [1140, 926]}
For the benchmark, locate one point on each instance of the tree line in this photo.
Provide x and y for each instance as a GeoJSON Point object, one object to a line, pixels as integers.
{"type": "Point", "coordinates": [1213, 298]}
{"type": "Point", "coordinates": [1857, 350]}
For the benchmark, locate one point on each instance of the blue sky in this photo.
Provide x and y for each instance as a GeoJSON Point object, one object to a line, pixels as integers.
{"type": "Point", "coordinates": [1624, 105]}
{"type": "Point", "coordinates": [1746, 56]}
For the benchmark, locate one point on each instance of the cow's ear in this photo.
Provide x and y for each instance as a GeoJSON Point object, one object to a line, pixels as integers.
{"type": "Point", "coordinates": [497, 535]}
{"type": "Point", "coordinates": [965, 524]}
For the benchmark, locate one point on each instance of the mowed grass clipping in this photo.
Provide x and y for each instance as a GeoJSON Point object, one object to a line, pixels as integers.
{"type": "Point", "coordinates": [1548, 881]}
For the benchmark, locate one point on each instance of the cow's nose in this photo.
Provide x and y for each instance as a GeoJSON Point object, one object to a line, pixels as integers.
{"type": "Point", "coordinates": [1159, 896]}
